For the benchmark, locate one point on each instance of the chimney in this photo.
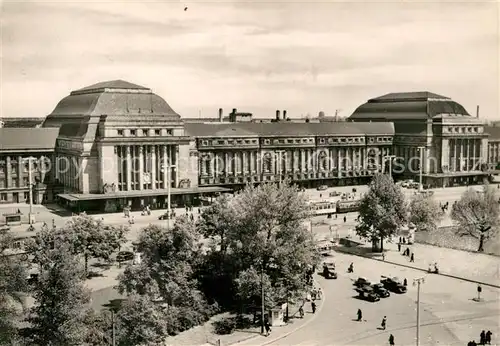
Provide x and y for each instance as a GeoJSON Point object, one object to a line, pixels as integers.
{"type": "Point", "coordinates": [284, 114]}
{"type": "Point", "coordinates": [277, 114]}
{"type": "Point", "coordinates": [220, 114]}
{"type": "Point", "coordinates": [477, 111]}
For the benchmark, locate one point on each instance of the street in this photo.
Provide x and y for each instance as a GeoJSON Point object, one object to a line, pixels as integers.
{"type": "Point", "coordinates": [448, 314]}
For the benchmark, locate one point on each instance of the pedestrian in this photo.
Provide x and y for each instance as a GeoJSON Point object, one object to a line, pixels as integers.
{"type": "Point", "coordinates": [482, 338]}
{"type": "Point", "coordinates": [399, 246]}
{"type": "Point", "coordinates": [313, 307]}
{"type": "Point", "coordinates": [404, 240]}
{"type": "Point", "coordinates": [360, 315]}
{"type": "Point", "coordinates": [383, 256]}
{"type": "Point", "coordinates": [384, 322]}
{"type": "Point", "coordinates": [405, 283]}
{"type": "Point", "coordinates": [391, 340]}
{"type": "Point", "coordinates": [267, 327]}
{"type": "Point", "coordinates": [336, 216]}
{"type": "Point", "coordinates": [319, 294]}
{"type": "Point", "coordinates": [487, 339]}
{"type": "Point", "coordinates": [301, 312]}
{"type": "Point", "coordinates": [345, 219]}
{"type": "Point", "coordinates": [412, 258]}
{"type": "Point", "coordinates": [399, 240]}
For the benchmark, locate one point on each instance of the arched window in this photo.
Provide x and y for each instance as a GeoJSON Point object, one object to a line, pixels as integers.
{"type": "Point", "coordinates": [323, 161]}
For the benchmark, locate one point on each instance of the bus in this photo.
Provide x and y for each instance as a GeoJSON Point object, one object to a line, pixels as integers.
{"type": "Point", "coordinates": [347, 206]}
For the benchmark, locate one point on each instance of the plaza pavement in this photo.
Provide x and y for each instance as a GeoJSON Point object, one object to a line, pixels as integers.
{"type": "Point", "coordinates": [448, 314]}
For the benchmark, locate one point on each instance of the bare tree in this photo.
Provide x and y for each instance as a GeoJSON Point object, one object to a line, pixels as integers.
{"type": "Point", "coordinates": [477, 215]}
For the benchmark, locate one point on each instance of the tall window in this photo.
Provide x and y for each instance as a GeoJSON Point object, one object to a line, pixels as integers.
{"type": "Point", "coordinates": [267, 164]}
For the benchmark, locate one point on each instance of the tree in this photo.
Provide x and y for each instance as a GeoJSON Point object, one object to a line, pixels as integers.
{"type": "Point", "coordinates": [140, 322]}
{"type": "Point", "coordinates": [13, 287]}
{"type": "Point", "coordinates": [87, 237]}
{"type": "Point", "coordinates": [59, 314]}
{"type": "Point", "coordinates": [382, 211]}
{"type": "Point", "coordinates": [477, 215]}
{"type": "Point", "coordinates": [267, 235]}
{"type": "Point", "coordinates": [424, 212]}
{"type": "Point", "coordinates": [166, 272]}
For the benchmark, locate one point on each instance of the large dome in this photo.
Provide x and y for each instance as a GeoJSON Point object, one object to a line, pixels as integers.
{"type": "Point", "coordinates": [407, 106]}
{"type": "Point", "coordinates": [113, 98]}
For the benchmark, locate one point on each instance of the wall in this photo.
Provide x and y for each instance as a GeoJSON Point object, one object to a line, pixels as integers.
{"type": "Point", "coordinates": [188, 163]}
{"type": "Point", "coordinates": [105, 167]}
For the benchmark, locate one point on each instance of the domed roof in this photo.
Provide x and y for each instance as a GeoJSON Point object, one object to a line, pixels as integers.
{"type": "Point", "coordinates": [114, 98]}
{"type": "Point", "coordinates": [407, 106]}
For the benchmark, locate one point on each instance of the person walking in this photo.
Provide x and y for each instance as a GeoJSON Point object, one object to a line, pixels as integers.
{"type": "Point", "coordinates": [345, 219]}
{"type": "Point", "coordinates": [384, 322]}
{"type": "Point", "coordinates": [313, 307]}
{"type": "Point", "coordinates": [319, 294]}
{"type": "Point", "coordinates": [383, 256]}
{"type": "Point", "coordinates": [391, 340]}
{"type": "Point", "coordinates": [487, 338]}
{"type": "Point", "coordinates": [412, 257]}
{"type": "Point", "coordinates": [267, 327]}
{"type": "Point", "coordinates": [482, 338]}
{"type": "Point", "coordinates": [301, 312]}
{"type": "Point", "coordinates": [399, 246]}
{"type": "Point", "coordinates": [405, 282]}
{"type": "Point", "coordinates": [360, 315]}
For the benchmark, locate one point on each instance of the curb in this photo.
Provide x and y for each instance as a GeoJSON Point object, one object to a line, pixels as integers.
{"type": "Point", "coordinates": [423, 270]}
{"type": "Point", "coordinates": [267, 342]}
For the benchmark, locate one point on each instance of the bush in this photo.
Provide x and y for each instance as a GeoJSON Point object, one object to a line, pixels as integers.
{"type": "Point", "coordinates": [224, 326]}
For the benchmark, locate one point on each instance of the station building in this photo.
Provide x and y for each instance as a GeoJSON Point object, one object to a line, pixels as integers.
{"type": "Point", "coordinates": [117, 144]}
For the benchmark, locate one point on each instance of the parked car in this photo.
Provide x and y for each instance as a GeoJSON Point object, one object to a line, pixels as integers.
{"type": "Point", "coordinates": [322, 188]}
{"type": "Point", "coordinates": [329, 270]}
{"type": "Point", "coordinates": [124, 256]}
{"type": "Point", "coordinates": [393, 285]}
{"type": "Point", "coordinates": [367, 293]}
{"type": "Point", "coordinates": [380, 290]}
{"type": "Point", "coordinates": [361, 282]}
{"type": "Point", "coordinates": [335, 194]}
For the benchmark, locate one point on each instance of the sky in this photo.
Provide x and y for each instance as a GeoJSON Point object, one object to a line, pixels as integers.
{"type": "Point", "coordinates": [304, 57]}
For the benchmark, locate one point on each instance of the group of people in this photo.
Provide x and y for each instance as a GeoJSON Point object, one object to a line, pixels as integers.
{"type": "Point", "coordinates": [444, 207]}
{"type": "Point", "coordinates": [383, 324]}
{"type": "Point", "coordinates": [484, 339]}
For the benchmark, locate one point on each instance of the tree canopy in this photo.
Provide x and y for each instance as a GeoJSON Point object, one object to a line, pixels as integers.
{"type": "Point", "coordinates": [424, 212]}
{"type": "Point", "coordinates": [61, 301]}
{"type": "Point", "coordinates": [264, 236]}
{"type": "Point", "coordinates": [477, 215]}
{"type": "Point", "coordinates": [382, 210]}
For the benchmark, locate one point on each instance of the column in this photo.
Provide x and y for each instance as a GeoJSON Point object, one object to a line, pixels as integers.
{"type": "Point", "coordinates": [164, 165]}
{"type": "Point", "coordinates": [226, 164]}
{"type": "Point", "coordinates": [20, 171]}
{"type": "Point", "coordinates": [141, 167]}
{"type": "Point", "coordinates": [8, 177]}
{"type": "Point", "coordinates": [176, 159]}
{"type": "Point", "coordinates": [153, 167]}
{"type": "Point", "coordinates": [339, 162]}
{"type": "Point", "coordinates": [128, 166]}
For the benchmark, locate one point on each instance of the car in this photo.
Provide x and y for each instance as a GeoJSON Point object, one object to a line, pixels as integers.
{"type": "Point", "coordinates": [322, 188]}
{"type": "Point", "coordinates": [393, 285]}
{"type": "Point", "coordinates": [334, 194]}
{"type": "Point", "coordinates": [361, 282]}
{"type": "Point", "coordinates": [380, 290]}
{"type": "Point", "coordinates": [329, 270]}
{"type": "Point", "coordinates": [163, 216]}
{"type": "Point", "coordinates": [367, 293]}
{"type": "Point", "coordinates": [124, 256]}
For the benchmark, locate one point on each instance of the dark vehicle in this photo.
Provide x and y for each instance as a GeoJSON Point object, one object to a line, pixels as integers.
{"type": "Point", "coordinates": [334, 194]}
{"type": "Point", "coordinates": [124, 256]}
{"type": "Point", "coordinates": [367, 293]}
{"type": "Point", "coordinates": [329, 270]}
{"type": "Point", "coordinates": [322, 188]}
{"type": "Point", "coordinates": [361, 282]}
{"type": "Point", "coordinates": [393, 285]}
{"type": "Point", "coordinates": [380, 290]}
{"type": "Point", "coordinates": [163, 216]}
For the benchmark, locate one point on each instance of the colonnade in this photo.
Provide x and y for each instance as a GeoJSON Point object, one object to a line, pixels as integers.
{"type": "Point", "coordinates": [286, 161]}
{"type": "Point", "coordinates": [465, 154]}
{"type": "Point", "coordinates": [145, 167]}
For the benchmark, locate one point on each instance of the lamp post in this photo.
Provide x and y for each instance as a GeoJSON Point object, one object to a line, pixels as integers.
{"type": "Point", "coordinates": [30, 186]}
{"type": "Point", "coordinates": [114, 306]}
{"type": "Point", "coordinates": [417, 282]}
{"type": "Point", "coordinates": [168, 167]}
{"type": "Point", "coordinates": [421, 150]}
{"type": "Point", "coordinates": [262, 298]}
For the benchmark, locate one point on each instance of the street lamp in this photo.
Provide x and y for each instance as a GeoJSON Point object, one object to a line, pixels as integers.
{"type": "Point", "coordinates": [113, 306]}
{"type": "Point", "coordinates": [168, 167]}
{"type": "Point", "coordinates": [31, 216]}
{"type": "Point", "coordinates": [421, 150]}
{"type": "Point", "coordinates": [417, 282]}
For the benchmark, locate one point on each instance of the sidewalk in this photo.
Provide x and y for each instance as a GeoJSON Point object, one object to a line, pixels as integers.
{"type": "Point", "coordinates": [464, 265]}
